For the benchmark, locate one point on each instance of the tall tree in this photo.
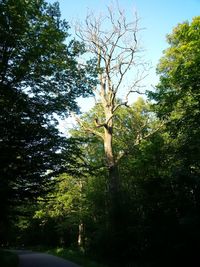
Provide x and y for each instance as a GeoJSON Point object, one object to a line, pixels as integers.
{"type": "Point", "coordinates": [39, 77]}
{"type": "Point", "coordinates": [177, 94]}
{"type": "Point", "coordinates": [177, 102]}
{"type": "Point", "coordinates": [114, 42]}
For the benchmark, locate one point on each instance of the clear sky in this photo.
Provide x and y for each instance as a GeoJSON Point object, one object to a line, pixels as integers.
{"type": "Point", "coordinates": [158, 17]}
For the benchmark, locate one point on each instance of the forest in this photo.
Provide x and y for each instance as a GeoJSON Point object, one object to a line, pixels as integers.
{"type": "Point", "coordinates": [121, 187]}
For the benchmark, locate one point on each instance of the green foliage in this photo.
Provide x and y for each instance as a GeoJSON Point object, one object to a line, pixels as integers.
{"type": "Point", "coordinates": [177, 101]}
{"type": "Point", "coordinates": [39, 77]}
{"type": "Point", "coordinates": [178, 91]}
{"type": "Point", "coordinates": [65, 204]}
{"type": "Point", "coordinates": [159, 179]}
{"type": "Point", "coordinates": [178, 94]}
{"type": "Point", "coordinates": [132, 125]}
{"type": "Point", "coordinates": [75, 200]}
{"type": "Point", "coordinates": [35, 58]}
{"type": "Point", "coordinates": [158, 167]}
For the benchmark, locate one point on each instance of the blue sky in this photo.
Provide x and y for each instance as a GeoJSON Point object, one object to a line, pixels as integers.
{"type": "Point", "coordinates": [158, 17]}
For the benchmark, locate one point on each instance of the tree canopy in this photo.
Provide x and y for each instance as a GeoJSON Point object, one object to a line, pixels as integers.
{"type": "Point", "coordinates": [39, 77]}
{"type": "Point", "coordinates": [178, 93]}
{"type": "Point", "coordinates": [177, 96]}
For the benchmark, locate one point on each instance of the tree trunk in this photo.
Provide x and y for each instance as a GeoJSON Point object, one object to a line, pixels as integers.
{"type": "Point", "coordinates": [81, 226]}
{"type": "Point", "coordinates": [111, 164]}
{"type": "Point", "coordinates": [81, 235]}
{"type": "Point", "coordinates": [113, 175]}
{"type": "Point", "coordinates": [115, 219]}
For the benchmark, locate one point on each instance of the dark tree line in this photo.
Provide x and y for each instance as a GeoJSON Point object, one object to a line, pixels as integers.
{"type": "Point", "coordinates": [39, 77]}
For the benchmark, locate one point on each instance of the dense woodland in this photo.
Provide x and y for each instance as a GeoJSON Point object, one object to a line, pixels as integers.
{"type": "Point", "coordinates": [124, 184]}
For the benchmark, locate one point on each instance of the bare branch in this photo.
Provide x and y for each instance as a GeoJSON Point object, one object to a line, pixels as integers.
{"type": "Point", "coordinates": [119, 105]}
{"type": "Point", "coordinates": [113, 40]}
{"type": "Point", "coordinates": [98, 125]}
{"type": "Point", "coordinates": [87, 128]}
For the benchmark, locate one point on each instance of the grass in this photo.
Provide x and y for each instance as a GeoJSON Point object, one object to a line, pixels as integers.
{"type": "Point", "coordinates": [8, 259]}
{"type": "Point", "coordinates": [74, 256]}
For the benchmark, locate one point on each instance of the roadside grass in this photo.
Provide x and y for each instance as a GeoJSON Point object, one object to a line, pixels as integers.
{"type": "Point", "coordinates": [8, 259]}
{"type": "Point", "coordinates": [73, 255]}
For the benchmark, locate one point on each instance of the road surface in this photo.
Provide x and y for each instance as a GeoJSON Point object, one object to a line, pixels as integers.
{"type": "Point", "coordinates": [36, 259]}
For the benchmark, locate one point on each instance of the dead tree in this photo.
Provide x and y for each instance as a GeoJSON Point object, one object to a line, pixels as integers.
{"type": "Point", "coordinates": [113, 41]}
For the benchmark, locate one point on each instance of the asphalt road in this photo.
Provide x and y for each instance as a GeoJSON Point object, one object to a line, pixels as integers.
{"type": "Point", "coordinates": [36, 259]}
